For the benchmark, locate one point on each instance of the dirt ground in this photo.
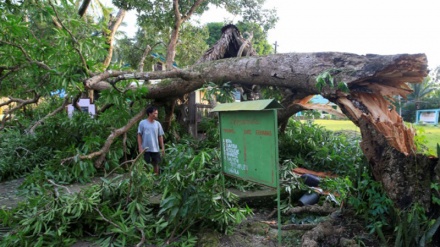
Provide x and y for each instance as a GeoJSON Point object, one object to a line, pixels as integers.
{"type": "Point", "coordinates": [255, 231]}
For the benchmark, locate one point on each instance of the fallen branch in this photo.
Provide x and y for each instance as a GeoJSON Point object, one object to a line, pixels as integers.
{"type": "Point", "coordinates": [322, 230]}
{"type": "Point", "coordinates": [106, 220]}
{"type": "Point", "coordinates": [325, 209]}
{"type": "Point", "coordinates": [57, 185]}
{"type": "Point", "coordinates": [141, 243]}
{"type": "Point", "coordinates": [103, 151]}
{"type": "Point", "coordinates": [301, 227]}
{"type": "Point", "coordinates": [21, 103]}
{"type": "Point", "coordinates": [39, 122]}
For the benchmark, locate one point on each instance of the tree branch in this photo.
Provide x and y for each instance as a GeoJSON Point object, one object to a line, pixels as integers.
{"type": "Point", "coordinates": [28, 58]}
{"type": "Point", "coordinates": [21, 103]}
{"type": "Point", "coordinates": [144, 56]}
{"type": "Point", "coordinates": [39, 122]}
{"type": "Point", "coordinates": [192, 10]}
{"type": "Point", "coordinates": [74, 41]}
{"type": "Point", "coordinates": [83, 8]}
{"type": "Point", "coordinates": [246, 43]}
{"type": "Point", "coordinates": [106, 220]}
{"type": "Point", "coordinates": [104, 108]}
{"type": "Point", "coordinates": [113, 27]}
{"type": "Point", "coordinates": [110, 139]}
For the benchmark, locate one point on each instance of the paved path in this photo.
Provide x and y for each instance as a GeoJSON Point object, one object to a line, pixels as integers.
{"type": "Point", "coordinates": [9, 197]}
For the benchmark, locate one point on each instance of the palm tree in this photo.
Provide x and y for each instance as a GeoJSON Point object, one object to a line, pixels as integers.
{"type": "Point", "coordinates": [422, 90]}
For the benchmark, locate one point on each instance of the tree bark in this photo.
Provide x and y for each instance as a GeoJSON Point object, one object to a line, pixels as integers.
{"type": "Point", "coordinates": [179, 19]}
{"type": "Point", "coordinates": [83, 8]}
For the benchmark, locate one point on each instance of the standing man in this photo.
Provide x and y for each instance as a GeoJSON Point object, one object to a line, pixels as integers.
{"type": "Point", "coordinates": [150, 137]}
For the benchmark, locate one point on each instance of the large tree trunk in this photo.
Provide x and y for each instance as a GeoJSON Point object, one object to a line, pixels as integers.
{"type": "Point", "coordinates": [371, 81]}
{"type": "Point", "coordinates": [406, 177]}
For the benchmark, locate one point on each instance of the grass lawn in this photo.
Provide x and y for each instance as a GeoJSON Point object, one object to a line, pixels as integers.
{"type": "Point", "coordinates": [429, 134]}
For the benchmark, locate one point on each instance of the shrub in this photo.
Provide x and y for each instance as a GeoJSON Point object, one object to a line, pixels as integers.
{"type": "Point", "coordinates": [312, 147]}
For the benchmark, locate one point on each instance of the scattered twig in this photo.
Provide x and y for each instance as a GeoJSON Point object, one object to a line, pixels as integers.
{"type": "Point", "coordinates": [62, 186]}
{"type": "Point", "coordinates": [125, 162]}
{"type": "Point", "coordinates": [172, 238]}
{"type": "Point", "coordinates": [141, 154]}
{"type": "Point", "coordinates": [141, 243]}
{"type": "Point", "coordinates": [272, 213]}
{"type": "Point", "coordinates": [27, 151]}
{"type": "Point", "coordinates": [21, 103]}
{"type": "Point", "coordinates": [104, 108]}
{"type": "Point", "coordinates": [10, 70]}
{"type": "Point", "coordinates": [106, 220]}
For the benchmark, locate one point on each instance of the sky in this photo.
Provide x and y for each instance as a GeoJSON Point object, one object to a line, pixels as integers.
{"type": "Point", "coordinates": [356, 26]}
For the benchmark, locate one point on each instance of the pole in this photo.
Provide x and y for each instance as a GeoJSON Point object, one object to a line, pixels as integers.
{"type": "Point", "coordinates": [279, 210]}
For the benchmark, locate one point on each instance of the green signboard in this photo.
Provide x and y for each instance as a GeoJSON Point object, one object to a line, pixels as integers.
{"type": "Point", "coordinates": [249, 136]}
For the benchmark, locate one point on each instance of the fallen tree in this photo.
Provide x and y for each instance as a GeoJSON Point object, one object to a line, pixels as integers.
{"type": "Point", "coordinates": [362, 86]}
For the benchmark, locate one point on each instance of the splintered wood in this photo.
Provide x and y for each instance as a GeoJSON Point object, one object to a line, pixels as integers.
{"type": "Point", "coordinates": [322, 107]}
{"type": "Point", "coordinates": [382, 114]}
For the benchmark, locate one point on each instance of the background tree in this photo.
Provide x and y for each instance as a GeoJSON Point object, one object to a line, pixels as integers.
{"type": "Point", "coordinates": [259, 36]}
{"type": "Point", "coordinates": [161, 15]}
{"type": "Point", "coordinates": [423, 97]}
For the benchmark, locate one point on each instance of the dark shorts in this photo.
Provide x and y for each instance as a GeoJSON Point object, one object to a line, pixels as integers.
{"type": "Point", "coordinates": [152, 158]}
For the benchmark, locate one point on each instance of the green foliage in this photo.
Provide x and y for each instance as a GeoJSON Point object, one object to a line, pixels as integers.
{"type": "Point", "coordinates": [160, 13]}
{"type": "Point", "coordinates": [209, 126]}
{"type": "Point", "coordinates": [413, 227]}
{"type": "Point", "coordinates": [326, 79]}
{"type": "Point", "coordinates": [341, 186]}
{"type": "Point", "coordinates": [191, 46]}
{"type": "Point", "coordinates": [44, 53]}
{"type": "Point", "coordinates": [370, 202]}
{"type": "Point", "coordinates": [223, 93]}
{"type": "Point", "coordinates": [62, 137]}
{"type": "Point", "coordinates": [312, 147]}
{"type": "Point", "coordinates": [435, 187]}
{"type": "Point", "coordinates": [118, 212]}
{"type": "Point", "coordinates": [215, 32]}
{"type": "Point", "coordinates": [420, 139]}
{"type": "Point", "coordinates": [425, 96]}
{"type": "Point", "coordinates": [20, 154]}
{"type": "Point", "coordinates": [194, 191]}
{"type": "Point", "coordinates": [410, 226]}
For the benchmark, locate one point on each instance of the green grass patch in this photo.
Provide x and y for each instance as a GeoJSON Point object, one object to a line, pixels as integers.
{"type": "Point", "coordinates": [428, 135]}
{"type": "Point", "coordinates": [336, 125]}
